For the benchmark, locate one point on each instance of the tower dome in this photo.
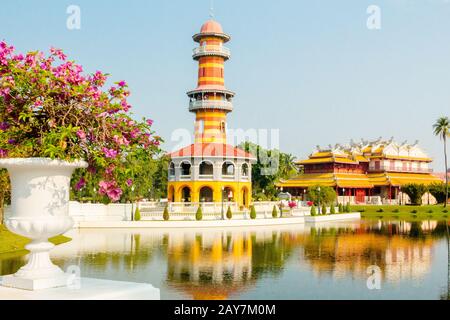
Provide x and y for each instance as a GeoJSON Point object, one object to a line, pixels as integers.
{"type": "Point", "coordinates": [211, 26]}
{"type": "Point", "coordinates": [213, 29]}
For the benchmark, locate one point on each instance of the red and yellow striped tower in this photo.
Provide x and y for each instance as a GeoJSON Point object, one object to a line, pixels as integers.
{"type": "Point", "coordinates": [210, 170]}
{"type": "Point", "coordinates": [211, 101]}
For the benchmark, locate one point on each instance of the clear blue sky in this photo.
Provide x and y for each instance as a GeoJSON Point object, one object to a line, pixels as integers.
{"type": "Point", "coordinates": [309, 68]}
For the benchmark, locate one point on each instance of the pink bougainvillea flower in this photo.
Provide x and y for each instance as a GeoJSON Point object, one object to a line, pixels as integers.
{"type": "Point", "coordinates": [110, 189]}
{"type": "Point", "coordinates": [81, 134]}
{"type": "Point", "coordinates": [109, 170]}
{"type": "Point", "coordinates": [122, 83]}
{"type": "Point", "coordinates": [80, 184]}
{"type": "Point", "coordinates": [149, 122]}
{"type": "Point", "coordinates": [110, 153]}
{"type": "Point", "coordinates": [4, 126]}
{"type": "Point", "coordinates": [129, 182]}
{"type": "Point", "coordinates": [114, 194]}
{"type": "Point", "coordinates": [3, 153]}
{"type": "Point", "coordinates": [59, 53]}
{"type": "Point", "coordinates": [38, 103]}
{"type": "Point", "coordinates": [121, 141]}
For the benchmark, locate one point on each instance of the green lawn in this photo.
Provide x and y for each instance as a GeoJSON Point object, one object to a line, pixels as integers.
{"type": "Point", "coordinates": [12, 243]}
{"type": "Point", "coordinates": [413, 212]}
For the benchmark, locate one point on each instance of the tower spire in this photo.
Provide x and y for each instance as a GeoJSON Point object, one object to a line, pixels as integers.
{"type": "Point", "coordinates": [211, 9]}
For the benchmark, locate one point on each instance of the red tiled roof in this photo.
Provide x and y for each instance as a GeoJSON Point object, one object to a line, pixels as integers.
{"type": "Point", "coordinates": [211, 150]}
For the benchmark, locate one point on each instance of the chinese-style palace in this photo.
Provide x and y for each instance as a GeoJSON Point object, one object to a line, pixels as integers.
{"type": "Point", "coordinates": [365, 172]}
{"type": "Point", "coordinates": [210, 170]}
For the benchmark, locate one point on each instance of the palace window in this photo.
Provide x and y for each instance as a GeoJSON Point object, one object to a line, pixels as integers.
{"type": "Point", "coordinates": [185, 168]}
{"type": "Point", "coordinates": [244, 170]}
{"type": "Point", "coordinates": [228, 169]}
{"type": "Point", "coordinates": [171, 169]}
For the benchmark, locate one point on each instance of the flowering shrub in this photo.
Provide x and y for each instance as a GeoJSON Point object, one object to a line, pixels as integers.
{"type": "Point", "coordinates": [292, 204]}
{"type": "Point", "coordinates": [49, 108]}
{"type": "Point", "coordinates": [310, 203]}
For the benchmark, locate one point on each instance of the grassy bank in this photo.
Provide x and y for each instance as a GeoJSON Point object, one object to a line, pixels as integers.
{"type": "Point", "coordinates": [12, 243]}
{"type": "Point", "coordinates": [404, 212]}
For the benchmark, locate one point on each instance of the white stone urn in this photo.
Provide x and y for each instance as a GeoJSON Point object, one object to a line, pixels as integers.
{"type": "Point", "coordinates": [39, 210]}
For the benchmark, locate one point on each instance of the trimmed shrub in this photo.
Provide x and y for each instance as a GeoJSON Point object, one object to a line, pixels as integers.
{"type": "Point", "coordinates": [415, 192]}
{"type": "Point", "coordinates": [414, 211]}
{"type": "Point", "coordinates": [396, 210]}
{"type": "Point", "coordinates": [324, 209]}
{"type": "Point", "coordinates": [380, 210]}
{"type": "Point", "coordinates": [252, 212]}
{"type": "Point", "coordinates": [166, 216]}
{"type": "Point", "coordinates": [199, 214]}
{"type": "Point", "coordinates": [437, 189]}
{"type": "Point", "coordinates": [445, 211]}
{"type": "Point", "coordinates": [229, 213]}
{"type": "Point", "coordinates": [341, 208]}
{"type": "Point", "coordinates": [430, 211]}
{"type": "Point", "coordinates": [332, 209]}
{"type": "Point", "coordinates": [348, 209]}
{"type": "Point", "coordinates": [137, 214]}
{"type": "Point", "coordinates": [274, 212]}
{"type": "Point", "coordinates": [313, 211]}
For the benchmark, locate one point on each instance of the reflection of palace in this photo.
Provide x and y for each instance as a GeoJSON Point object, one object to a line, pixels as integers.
{"type": "Point", "coordinates": [366, 172]}
{"type": "Point", "coordinates": [210, 169]}
{"type": "Point", "coordinates": [210, 266]}
{"type": "Point", "coordinates": [402, 250]}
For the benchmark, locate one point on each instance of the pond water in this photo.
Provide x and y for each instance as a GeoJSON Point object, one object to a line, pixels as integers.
{"type": "Point", "coordinates": [326, 261]}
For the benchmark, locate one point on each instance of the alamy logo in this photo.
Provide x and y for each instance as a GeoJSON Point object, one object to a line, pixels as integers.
{"type": "Point", "coordinates": [73, 21]}
{"type": "Point", "coordinates": [374, 279]}
{"type": "Point", "coordinates": [374, 19]}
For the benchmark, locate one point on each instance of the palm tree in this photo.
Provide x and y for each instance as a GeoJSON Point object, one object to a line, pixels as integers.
{"type": "Point", "coordinates": [287, 165]}
{"type": "Point", "coordinates": [442, 130]}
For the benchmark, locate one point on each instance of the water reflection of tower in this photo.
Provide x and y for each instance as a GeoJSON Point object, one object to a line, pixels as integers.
{"type": "Point", "coordinates": [210, 265]}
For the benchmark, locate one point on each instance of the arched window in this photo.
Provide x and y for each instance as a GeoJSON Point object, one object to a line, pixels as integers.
{"type": "Point", "coordinates": [172, 169]}
{"type": "Point", "coordinates": [206, 168]}
{"type": "Point", "coordinates": [244, 170]}
{"type": "Point", "coordinates": [228, 169]}
{"type": "Point", "coordinates": [186, 194]}
{"type": "Point", "coordinates": [185, 168]}
{"type": "Point", "coordinates": [206, 194]}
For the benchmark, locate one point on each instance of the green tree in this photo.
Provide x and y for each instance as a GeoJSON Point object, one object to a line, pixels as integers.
{"type": "Point", "coordinates": [313, 211]}
{"type": "Point", "coordinates": [441, 129]}
{"type": "Point", "coordinates": [270, 167]}
{"type": "Point", "coordinates": [229, 213]}
{"type": "Point", "coordinates": [146, 172]}
{"type": "Point", "coordinates": [274, 212]}
{"type": "Point", "coordinates": [252, 212]}
{"type": "Point", "coordinates": [166, 216]}
{"type": "Point", "coordinates": [415, 192]}
{"type": "Point", "coordinates": [326, 195]}
{"type": "Point", "coordinates": [199, 214]}
{"type": "Point", "coordinates": [324, 209]}
{"type": "Point", "coordinates": [341, 208]}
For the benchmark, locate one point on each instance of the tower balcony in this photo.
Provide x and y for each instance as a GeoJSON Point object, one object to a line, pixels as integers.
{"type": "Point", "coordinates": [211, 104]}
{"type": "Point", "coordinates": [211, 50]}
